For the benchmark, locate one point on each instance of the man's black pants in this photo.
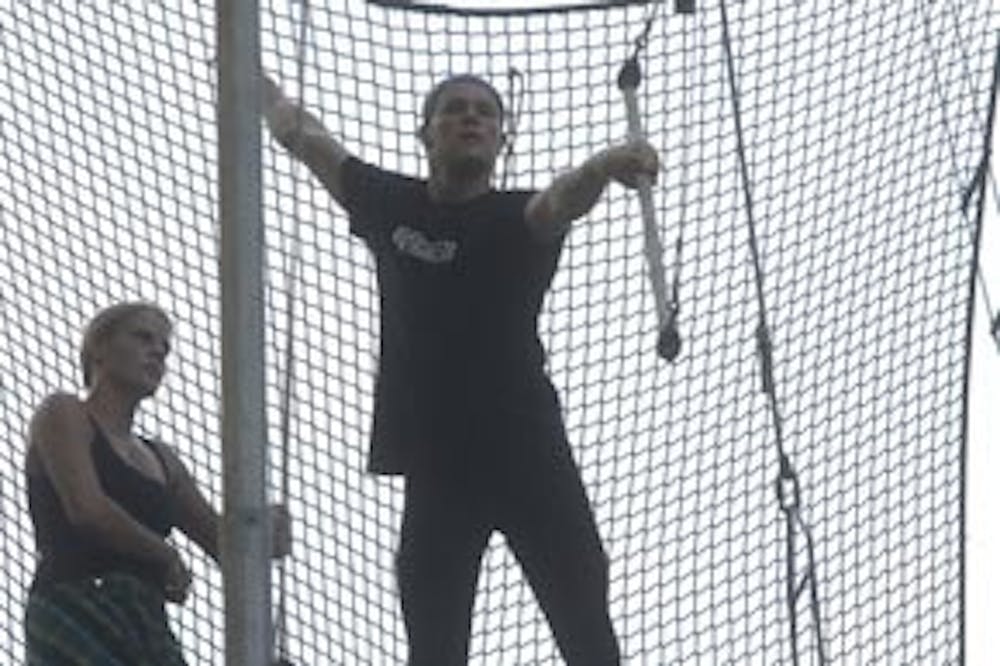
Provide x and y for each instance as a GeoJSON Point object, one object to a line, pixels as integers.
{"type": "Point", "coordinates": [531, 492]}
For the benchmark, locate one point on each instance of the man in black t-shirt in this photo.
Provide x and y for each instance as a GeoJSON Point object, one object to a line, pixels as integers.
{"type": "Point", "coordinates": [463, 406]}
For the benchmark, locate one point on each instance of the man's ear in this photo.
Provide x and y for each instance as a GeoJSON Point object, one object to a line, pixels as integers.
{"type": "Point", "coordinates": [424, 137]}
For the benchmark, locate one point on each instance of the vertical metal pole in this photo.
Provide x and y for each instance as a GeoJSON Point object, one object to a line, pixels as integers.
{"type": "Point", "coordinates": [245, 537]}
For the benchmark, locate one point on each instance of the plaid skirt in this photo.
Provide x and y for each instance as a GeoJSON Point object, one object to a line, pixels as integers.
{"type": "Point", "coordinates": [117, 620]}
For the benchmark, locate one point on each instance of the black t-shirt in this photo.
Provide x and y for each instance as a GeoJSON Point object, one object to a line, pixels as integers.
{"type": "Point", "coordinates": [460, 288]}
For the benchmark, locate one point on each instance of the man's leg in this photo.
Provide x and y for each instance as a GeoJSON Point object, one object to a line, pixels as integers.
{"type": "Point", "coordinates": [441, 546]}
{"type": "Point", "coordinates": [550, 527]}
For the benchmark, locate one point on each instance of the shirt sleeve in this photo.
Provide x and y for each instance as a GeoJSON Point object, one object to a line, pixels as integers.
{"type": "Point", "coordinates": [550, 247]}
{"type": "Point", "coordinates": [516, 245]}
{"type": "Point", "coordinates": [371, 194]}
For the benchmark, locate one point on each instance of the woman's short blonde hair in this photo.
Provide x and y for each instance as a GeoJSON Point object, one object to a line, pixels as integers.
{"type": "Point", "coordinates": [104, 324]}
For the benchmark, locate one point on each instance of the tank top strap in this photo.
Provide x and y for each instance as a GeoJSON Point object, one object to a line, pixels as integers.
{"type": "Point", "coordinates": [168, 474]}
{"type": "Point", "coordinates": [101, 437]}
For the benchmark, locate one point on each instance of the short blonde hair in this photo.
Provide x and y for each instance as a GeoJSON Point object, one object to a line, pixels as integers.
{"type": "Point", "coordinates": [104, 324]}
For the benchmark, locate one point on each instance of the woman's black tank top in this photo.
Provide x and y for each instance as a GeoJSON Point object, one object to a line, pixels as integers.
{"type": "Point", "coordinates": [68, 553]}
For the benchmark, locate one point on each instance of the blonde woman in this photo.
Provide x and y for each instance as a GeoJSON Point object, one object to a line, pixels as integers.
{"type": "Point", "coordinates": [103, 500]}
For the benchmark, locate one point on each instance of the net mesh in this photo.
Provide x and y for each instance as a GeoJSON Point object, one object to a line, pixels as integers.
{"type": "Point", "coordinates": [863, 126]}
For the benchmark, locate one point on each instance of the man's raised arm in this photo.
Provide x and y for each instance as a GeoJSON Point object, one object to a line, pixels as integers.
{"type": "Point", "coordinates": [302, 134]}
{"type": "Point", "coordinates": [572, 194]}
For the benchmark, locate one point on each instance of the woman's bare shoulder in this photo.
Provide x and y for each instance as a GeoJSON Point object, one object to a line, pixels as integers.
{"type": "Point", "coordinates": [60, 416]}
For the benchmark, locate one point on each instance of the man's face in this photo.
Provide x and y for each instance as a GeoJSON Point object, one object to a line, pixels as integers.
{"type": "Point", "coordinates": [463, 131]}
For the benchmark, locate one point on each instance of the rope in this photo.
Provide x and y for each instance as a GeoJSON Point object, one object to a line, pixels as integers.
{"type": "Point", "coordinates": [983, 171]}
{"type": "Point", "coordinates": [686, 105]}
{"type": "Point", "coordinates": [515, 105]}
{"type": "Point", "coordinates": [987, 152]}
{"type": "Point", "coordinates": [293, 267]}
{"type": "Point", "coordinates": [787, 484]}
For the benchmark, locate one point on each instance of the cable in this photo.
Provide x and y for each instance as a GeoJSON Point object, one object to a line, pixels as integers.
{"type": "Point", "coordinates": [515, 105]}
{"type": "Point", "coordinates": [983, 171]}
{"type": "Point", "coordinates": [987, 152]}
{"type": "Point", "coordinates": [787, 484]}
{"type": "Point", "coordinates": [293, 267]}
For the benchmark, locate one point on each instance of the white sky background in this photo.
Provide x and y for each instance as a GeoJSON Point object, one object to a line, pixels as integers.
{"type": "Point", "coordinates": [984, 464]}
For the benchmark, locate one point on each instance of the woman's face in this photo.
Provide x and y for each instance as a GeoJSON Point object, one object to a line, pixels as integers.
{"type": "Point", "coordinates": [134, 353]}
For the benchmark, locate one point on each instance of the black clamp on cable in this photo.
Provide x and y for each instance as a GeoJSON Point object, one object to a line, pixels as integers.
{"type": "Point", "coordinates": [787, 487]}
{"type": "Point", "coordinates": [629, 75]}
{"type": "Point", "coordinates": [766, 354]}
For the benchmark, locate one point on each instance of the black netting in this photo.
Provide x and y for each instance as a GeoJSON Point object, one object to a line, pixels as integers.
{"type": "Point", "coordinates": [863, 127]}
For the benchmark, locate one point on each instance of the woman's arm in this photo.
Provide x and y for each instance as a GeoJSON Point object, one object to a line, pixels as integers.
{"type": "Point", "coordinates": [196, 517]}
{"type": "Point", "coordinates": [199, 520]}
{"type": "Point", "coordinates": [60, 435]}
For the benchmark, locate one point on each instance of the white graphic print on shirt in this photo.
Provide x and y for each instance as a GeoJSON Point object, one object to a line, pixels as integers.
{"type": "Point", "coordinates": [414, 243]}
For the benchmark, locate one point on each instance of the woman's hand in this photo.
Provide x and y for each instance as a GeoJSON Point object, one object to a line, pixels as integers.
{"type": "Point", "coordinates": [176, 578]}
{"type": "Point", "coordinates": [281, 531]}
